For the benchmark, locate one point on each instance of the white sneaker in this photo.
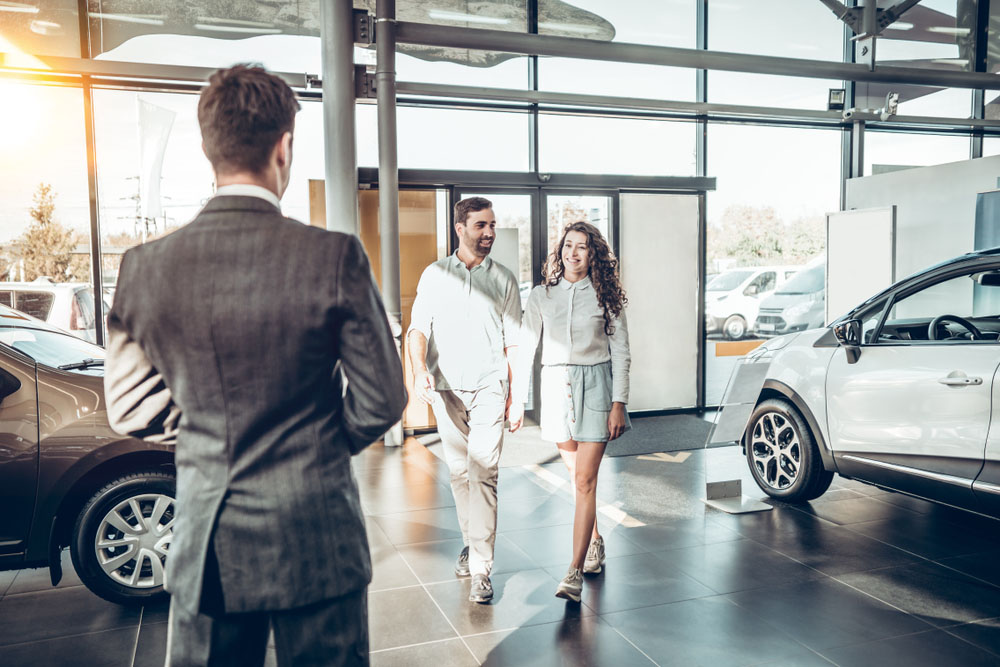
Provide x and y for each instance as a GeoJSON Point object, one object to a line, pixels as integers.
{"type": "Point", "coordinates": [594, 562]}
{"type": "Point", "coordinates": [571, 586]}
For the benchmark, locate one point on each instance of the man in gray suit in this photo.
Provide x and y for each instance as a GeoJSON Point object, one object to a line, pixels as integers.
{"type": "Point", "coordinates": [231, 335]}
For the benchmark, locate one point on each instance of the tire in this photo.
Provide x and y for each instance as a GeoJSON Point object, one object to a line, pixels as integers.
{"type": "Point", "coordinates": [117, 555]}
{"type": "Point", "coordinates": [782, 453]}
{"type": "Point", "coordinates": [735, 327]}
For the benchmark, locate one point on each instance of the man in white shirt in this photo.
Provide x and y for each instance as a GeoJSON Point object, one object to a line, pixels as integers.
{"type": "Point", "coordinates": [463, 333]}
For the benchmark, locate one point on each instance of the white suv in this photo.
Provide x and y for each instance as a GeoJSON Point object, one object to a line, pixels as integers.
{"type": "Point", "coordinates": [732, 298]}
{"type": "Point", "coordinates": [69, 306]}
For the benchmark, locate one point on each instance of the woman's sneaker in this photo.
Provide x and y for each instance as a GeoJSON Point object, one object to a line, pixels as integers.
{"type": "Point", "coordinates": [571, 586]}
{"type": "Point", "coordinates": [594, 562]}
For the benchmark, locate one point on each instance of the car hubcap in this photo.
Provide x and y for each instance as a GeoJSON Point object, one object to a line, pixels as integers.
{"type": "Point", "coordinates": [776, 451]}
{"type": "Point", "coordinates": [133, 540]}
{"type": "Point", "coordinates": [736, 329]}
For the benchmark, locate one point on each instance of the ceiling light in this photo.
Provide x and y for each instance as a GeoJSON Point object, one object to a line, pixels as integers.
{"type": "Point", "coordinates": [18, 7]}
{"type": "Point", "coordinates": [128, 18]}
{"type": "Point", "coordinates": [237, 28]}
{"type": "Point", "coordinates": [951, 61]}
{"type": "Point", "coordinates": [46, 28]}
{"type": "Point", "coordinates": [569, 27]}
{"type": "Point", "coordinates": [948, 31]}
{"type": "Point", "coordinates": [900, 25]}
{"type": "Point", "coordinates": [443, 15]}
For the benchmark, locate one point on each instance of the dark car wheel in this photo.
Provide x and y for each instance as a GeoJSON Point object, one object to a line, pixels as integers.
{"type": "Point", "coordinates": [735, 327]}
{"type": "Point", "coordinates": [782, 453]}
{"type": "Point", "coordinates": [121, 537]}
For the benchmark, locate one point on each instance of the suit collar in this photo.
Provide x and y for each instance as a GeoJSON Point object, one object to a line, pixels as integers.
{"type": "Point", "coordinates": [239, 203]}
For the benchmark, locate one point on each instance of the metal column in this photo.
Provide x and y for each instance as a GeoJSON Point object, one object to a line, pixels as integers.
{"type": "Point", "coordinates": [340, 154]}
{"type": "Point", "coordinates": [388, 173]}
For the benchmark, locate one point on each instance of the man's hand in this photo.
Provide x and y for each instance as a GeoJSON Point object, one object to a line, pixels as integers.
{"type": "Point", "coordinates": [423, 386]}
{"type": "Point", "coordinates": [515, 415]}
{"type": "Point", "coordinates": [616, 420]}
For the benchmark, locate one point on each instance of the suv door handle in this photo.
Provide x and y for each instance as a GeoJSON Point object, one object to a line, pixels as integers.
{"type": "Point", "coordinates": [961, 381]}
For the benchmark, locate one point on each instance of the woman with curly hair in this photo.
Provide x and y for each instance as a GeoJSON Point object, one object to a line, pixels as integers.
{"type": "Point", "coordinates": [579, 314]}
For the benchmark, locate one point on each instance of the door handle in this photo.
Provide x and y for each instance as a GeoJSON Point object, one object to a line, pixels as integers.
{"type": "Point", "coordinates": [961, 381]}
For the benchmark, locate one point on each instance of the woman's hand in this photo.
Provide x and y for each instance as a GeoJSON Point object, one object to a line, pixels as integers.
{"type": "Point", "coordinates": [616, 420]}
{"type": "Point", "coordinates": [516, 416]}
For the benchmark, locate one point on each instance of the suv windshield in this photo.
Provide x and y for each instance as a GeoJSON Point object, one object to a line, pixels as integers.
{"type": "Point", "coordinates": [806, 281]}
{"type": "Point", "coordinates": [729, 280]}
{"type": "Point", "coordinates": [53, 349]}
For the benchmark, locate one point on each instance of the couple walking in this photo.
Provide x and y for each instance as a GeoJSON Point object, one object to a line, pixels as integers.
{"type": "Point", "coordinates": [473, 358]}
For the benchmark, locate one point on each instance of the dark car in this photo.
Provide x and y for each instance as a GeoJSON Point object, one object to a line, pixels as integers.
{"type": "Point", "coordinates": [67, 479]}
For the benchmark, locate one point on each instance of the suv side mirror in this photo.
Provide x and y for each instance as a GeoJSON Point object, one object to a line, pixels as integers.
{"type": "Point", "coordinates": [848, 334]}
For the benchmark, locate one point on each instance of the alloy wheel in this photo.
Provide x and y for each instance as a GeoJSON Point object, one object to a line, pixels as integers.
{"type": "Point", "coordinates": [776, 451]}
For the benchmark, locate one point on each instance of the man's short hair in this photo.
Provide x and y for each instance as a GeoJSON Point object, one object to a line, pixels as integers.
{"type": "Point", "coordinates": [243, 112]}
{"type": "Point", "coordinates": [471, 205]}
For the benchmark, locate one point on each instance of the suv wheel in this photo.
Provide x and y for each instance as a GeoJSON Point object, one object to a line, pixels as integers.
{"type": "Point", "coordinates": [782, 453]}
{"type": "Point", "coordinates": [735, 327]}
{"type": "Point", "coordinates": [121, 537]}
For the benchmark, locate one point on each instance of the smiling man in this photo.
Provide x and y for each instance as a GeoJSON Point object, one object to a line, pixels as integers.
{"type": "Point", "coordinates": [463, 330]}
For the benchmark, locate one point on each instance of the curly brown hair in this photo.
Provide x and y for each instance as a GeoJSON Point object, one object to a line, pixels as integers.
{"type": "Point", "coordinates": [603, 271]}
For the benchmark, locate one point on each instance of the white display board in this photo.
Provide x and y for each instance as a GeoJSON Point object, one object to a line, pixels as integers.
{"type": "Point", "coordinates": [659, 268]}
{"type": "Point", "coordinates": [860, 257]}
{"type": "Point", "coordinates": [505, 250]}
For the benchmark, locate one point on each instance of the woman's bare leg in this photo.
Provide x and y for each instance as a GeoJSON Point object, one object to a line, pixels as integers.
{"type": "Point", "coordinates": [588, 462]}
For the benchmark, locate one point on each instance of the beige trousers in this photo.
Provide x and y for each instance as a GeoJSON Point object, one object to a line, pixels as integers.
{"type": "Point", "coordinates": [470, 424]}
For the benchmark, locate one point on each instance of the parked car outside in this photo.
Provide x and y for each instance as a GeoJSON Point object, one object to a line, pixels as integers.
{"type": "Point", "coordinates": [899, 393]}
{"type": "Point", "coordinates": [797, 305]}
{"type": "Point", "coordinates": [732, 298]}
{"type": "Point", "coordinates": [66, 479]}
{"type": "Point", "coordinates": [69, 306]}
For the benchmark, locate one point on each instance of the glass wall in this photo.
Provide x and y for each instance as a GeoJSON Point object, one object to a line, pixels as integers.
{"type": "Point", "coordinates": [890, 151]}
{"type": "Point", "coordinates": [766, 233]}
{"type": "Point", "coordinates": [45, 250]}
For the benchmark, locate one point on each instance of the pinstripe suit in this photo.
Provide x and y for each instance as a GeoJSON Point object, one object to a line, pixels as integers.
{"type": "Point", "coordinates": [227, 334]}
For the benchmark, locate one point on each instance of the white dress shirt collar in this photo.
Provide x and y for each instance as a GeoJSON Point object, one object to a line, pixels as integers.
{"type": "Point", "coordinates": [248, 190]}
{"type": "Point", "coordinates": [457, 262]}
{"type": "Point", "coordinates": [583, 283]}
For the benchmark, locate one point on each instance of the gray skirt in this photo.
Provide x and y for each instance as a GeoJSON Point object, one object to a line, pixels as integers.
{"type": "Point", "coordinates": [576, 402]}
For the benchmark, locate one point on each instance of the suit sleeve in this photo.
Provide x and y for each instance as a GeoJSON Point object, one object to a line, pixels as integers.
{"type": "Point", "coordinates": [375, 395]}
{"type": "Point", "coordinates": [139, 403]}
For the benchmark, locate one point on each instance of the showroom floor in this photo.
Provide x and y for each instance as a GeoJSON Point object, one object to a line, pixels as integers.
{"type": "Point", "coordinates": [859, 577]}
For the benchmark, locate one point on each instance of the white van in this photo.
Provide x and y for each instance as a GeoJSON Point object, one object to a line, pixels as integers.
{"type": "Point", "coordinates": [69, 306]}
{"type": "Point", "coordinates": [733, 297]}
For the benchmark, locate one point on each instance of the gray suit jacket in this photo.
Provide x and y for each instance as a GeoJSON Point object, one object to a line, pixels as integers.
{"type": "Point", "coordinates": [231, 334]}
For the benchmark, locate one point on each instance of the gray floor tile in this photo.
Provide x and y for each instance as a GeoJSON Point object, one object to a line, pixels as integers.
{"type": "Point", "coordinates": [679, 534]}
{"type": "Point", "coordinates": [151, 647]}
{"type": "Point", "coordinates": [825, 613]}
{"type": "Point", "coordinates": [434, 562]}
{"type": "Point", "coordinates": [927, 649]}
{"type": "Point", "coordinates": [553, 545]}
{"type": "Point", "coordinates": [930, 539]}
{"type": "Point", "coordinates": [520, 599]}
{"type": "Point", "coordinates": [403, 617]}
{"type": "Point", "coordinates": [729, 567]}
{"type": "Point", "coordinates": [389, 570]}
{"type": "Point", "coordinates": [420, 526]}
{"type": "Point", "coordinates": [572, 641]}
{"type": "Point", "coordinates": [857, 510]}
{"type": "Point", "coordinates": [984, 634]}
{"type": "Point", "coordinates": [982, 565]}
{"type": "Point", "coordinates": [640, 580]}
{"type": "Point", "coordinates": [59, 612]}
{"type": "Point", "coordinates": [449, 653]}
{"type": "Point", "coordinates": [6, 579]}
{"type": "Point", "coordinates": [708, 631]}
{"type": "Point", "coordinates": [521, 513]}
{"type": "Point", "coordinates": [393, 499]}
{"type": "Point", "coordinates": [929, 591]}
{"type": "Point", "coordinates": [39, 579]}
{"type": "Point", "coordinates": [109, 648]}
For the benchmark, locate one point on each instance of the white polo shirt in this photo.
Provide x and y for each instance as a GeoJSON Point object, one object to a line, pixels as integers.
{"type": "Point", "coordinates": [469, 318]}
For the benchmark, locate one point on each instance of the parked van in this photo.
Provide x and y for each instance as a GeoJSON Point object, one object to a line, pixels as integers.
{"type": "Point", "coordinates": [733, 297]}
{"type": "Point", "coordinates": [69, 306]}
{"type": "Point", "coordinates": [798, 305]}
